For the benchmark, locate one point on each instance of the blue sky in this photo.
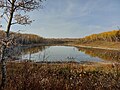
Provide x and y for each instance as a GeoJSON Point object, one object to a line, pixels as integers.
{"type": "Point", "coordinates": [73, 18]}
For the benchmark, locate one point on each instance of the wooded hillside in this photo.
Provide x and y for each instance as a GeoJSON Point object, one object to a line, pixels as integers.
{"type": "Point", "coordinates": [23, 38]}
{"type": "Point", "coordinates": [111, 36]}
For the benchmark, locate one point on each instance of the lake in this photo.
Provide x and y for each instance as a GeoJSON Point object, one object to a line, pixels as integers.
{"type": "Point", "coordinates": [69, 53]}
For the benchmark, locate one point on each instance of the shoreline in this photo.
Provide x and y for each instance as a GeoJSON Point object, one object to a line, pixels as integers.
{"type": "Point", "coordinates": [94, 47]}
{"type": "Point", "coordinates": [75, 45]}
{"type": "Point", "coordinates": [87, 63]}
{"type": "Point", "coordinates": [83, 63]}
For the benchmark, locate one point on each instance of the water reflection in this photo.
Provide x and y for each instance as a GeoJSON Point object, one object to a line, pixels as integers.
{"type": "Point", "coordinates": [19, 52]}
{"type": "Point", "coordinates": [33, 50]}
{"type": "Point", "coordinates": [111, 55]}
{"type": "Point", "coordinates": [66, 53]}
{"type": "Point", "coordinates": [57, 53]}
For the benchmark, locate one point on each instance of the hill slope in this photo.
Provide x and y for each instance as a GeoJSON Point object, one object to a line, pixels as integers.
{"type": "Point", "coordinates": [111, 36]}
{"type": "Point", "coordinates": [109, 39]}
{"type": "Point", "coordinates": [23, 38]}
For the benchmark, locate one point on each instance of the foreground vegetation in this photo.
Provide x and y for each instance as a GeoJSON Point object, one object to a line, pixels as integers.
{"type": "Point", "coordinates": [62, 76]}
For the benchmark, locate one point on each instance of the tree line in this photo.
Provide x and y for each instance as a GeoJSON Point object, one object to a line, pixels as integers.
{"type": "Point", "coordinates": [23, 39]}
{"type": "Point", "coordinates": [111, 36]}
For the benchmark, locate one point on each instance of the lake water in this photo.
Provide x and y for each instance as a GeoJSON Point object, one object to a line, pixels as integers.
{"type": "Point", "coordinates": [67, 53]}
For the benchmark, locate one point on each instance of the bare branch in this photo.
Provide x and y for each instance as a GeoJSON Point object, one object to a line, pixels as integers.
{"type": "Point", "coordinates": [23, 20]}
{"type": "Point", "coordinates": [10, 2]}
{"type": "Point", "coordinates": [28, 5]}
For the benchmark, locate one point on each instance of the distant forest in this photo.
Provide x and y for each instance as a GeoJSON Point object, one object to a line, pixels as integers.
{"type": "Point", "coordinates": [23, 38]}
{"type": "Point", "coordinates": [111, 36]}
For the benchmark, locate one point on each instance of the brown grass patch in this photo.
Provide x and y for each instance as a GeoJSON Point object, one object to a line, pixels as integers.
{"type": "Point", "coordinates": [62, 76]}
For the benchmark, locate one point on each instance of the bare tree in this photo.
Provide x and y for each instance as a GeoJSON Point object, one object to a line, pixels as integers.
{"type": "Point", "coordinates": [14, 12]}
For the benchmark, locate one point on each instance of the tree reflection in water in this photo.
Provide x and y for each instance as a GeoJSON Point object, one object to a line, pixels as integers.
{"type": "Point", "coordinates": [112, 55]}
{"type": "Point", "coordinates": [18, 52]}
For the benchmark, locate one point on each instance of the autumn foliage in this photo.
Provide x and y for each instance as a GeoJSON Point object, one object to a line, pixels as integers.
{"type": "Point", "coordinates": [112, 36]}
{"type": "Point", "coordinates": [23, 38]}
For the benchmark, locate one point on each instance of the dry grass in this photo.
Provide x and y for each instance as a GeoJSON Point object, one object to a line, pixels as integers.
{"type": "Point", "coordinates": [103, 44]}
{"type": "Point", "coordinates": [62, 76]}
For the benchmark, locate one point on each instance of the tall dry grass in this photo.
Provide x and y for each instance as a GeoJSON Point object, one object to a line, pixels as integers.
{"type": "Point", "coordinates": [62, 76]}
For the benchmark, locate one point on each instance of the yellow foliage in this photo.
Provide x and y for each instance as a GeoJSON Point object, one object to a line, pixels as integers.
{"type": "Point", "coordinates": [112, 36]}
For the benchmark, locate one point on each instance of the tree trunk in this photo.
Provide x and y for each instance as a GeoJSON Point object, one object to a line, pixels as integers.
{"type": "Point", "coordinates": [3, 61]}
{"type": "Point", "coordinates": [3, 67]}
{"type": "Point", "coordinates": [9, 24]}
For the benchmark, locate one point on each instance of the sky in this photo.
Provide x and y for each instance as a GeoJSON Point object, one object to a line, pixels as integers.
{"type": "Point", "coordinates": [73, 18]}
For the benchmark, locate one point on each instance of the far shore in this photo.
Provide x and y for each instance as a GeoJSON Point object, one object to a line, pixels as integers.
{"type": "Point", "coordinates": [75, 45]}
{"type": "Point", "coordinates": [105, 48]}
